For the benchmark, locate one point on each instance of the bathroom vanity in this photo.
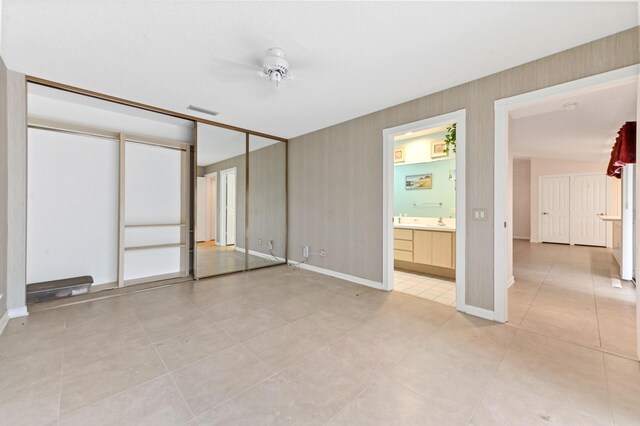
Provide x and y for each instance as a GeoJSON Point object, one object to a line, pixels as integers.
{"type": "Point", "coordinates": [425, 248]}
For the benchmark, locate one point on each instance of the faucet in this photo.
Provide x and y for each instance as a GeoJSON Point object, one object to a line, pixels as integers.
{"type": "Point", "coordinates": [440, 222]}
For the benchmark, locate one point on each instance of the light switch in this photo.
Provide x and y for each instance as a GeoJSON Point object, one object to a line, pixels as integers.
{"type": "Point", "coordinates": [479, 214]}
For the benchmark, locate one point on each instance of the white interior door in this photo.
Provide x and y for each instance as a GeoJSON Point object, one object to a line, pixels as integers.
{"type": "Point", "coordinates": [588, 200]}
{"type": "Point", "coordinates": [555, 209]}
{"type": "Point", "coordinates": [201, 224]}
{"type": "Point", "coordinates": [211, 207]}
{"type": "Point", "coordinates": [231, 208]}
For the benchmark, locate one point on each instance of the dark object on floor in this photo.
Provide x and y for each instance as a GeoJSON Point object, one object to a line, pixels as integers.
{"type": "Point", "coordinates": [47, 290]}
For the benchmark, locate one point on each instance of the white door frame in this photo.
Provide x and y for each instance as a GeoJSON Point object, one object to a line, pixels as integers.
{"type": "Point", "coordinates": [502, 108]}
{"type": "Point", "coordinates": [211, 179]}
{"type": "Point", "coordinates": [459, 117]}
{"type": "Point", "coordinates": [222, 205]}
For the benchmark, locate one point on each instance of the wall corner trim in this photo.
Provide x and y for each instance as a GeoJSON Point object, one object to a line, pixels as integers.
{"type": "Point", "coordinates": [17, 312]}
{"type": "Point", "coordinates": [478, 312]}
{"type": "Point", "coordinates": [346, 277]}
{"type": "Point", "coordinates": [4, 320]}
{"type": "Point", "coordinates": [512, 281]}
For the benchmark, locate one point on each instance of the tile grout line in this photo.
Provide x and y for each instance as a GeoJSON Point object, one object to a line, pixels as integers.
{"type": "Point", "coordinates": [537, 291]}
{"type": "Point", "coordinates": [595, 299]}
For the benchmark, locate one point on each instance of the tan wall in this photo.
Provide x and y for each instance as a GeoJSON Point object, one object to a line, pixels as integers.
{"type": "Point", "coordinates": [547, 166]}
{"type": "Point", "coordinates": [335, 174]}
{"type": "Point", "coordinates": [522, 198]}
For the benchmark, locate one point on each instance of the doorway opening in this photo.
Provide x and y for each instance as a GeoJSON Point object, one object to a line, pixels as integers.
{"type": "Point", "coordinates": [423, 209]}
{"type": "Point", "coordinates": [563, 222]}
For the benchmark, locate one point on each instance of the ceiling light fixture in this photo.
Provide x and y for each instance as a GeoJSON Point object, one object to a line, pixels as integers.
{"type": "Point", "coordinates": [202, 110]}
{"type": "Point", "coordinates": [570, 106]}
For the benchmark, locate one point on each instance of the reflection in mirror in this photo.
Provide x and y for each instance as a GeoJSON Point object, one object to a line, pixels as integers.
{"type": "Point", "coordinates": [267, 202]}
{"type": "Point", "coordinates": [220, 198]}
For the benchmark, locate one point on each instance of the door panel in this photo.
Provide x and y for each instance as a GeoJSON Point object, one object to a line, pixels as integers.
{"type": "Point", "coordinates": [423, 247]}
{"type": "Point", "coordinates": [588, 200]}
{"type": "Point", "coordinates": [555, 209]}
{"type": "Point", "coordinates": [231, 209]}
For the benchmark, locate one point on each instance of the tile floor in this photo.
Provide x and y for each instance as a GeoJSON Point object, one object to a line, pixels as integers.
{"type": "Point", "coordinates": [566, 292]}
{"type": "Point", "coordinates": [278, 346]}
{"type": "Point", "coordinates": [438, 289]}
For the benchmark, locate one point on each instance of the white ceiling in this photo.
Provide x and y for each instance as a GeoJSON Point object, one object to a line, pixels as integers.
{"type": "Point", "coordinates": [349, 58]}
{"type": "Point", "coordinates": [586, 133]}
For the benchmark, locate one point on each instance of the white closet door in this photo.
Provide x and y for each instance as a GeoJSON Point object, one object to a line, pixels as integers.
{"type": "Point", "coordinates": [72, 207]}
{"type": "Point", "coordinates": [588, 200]}
{"type": "Point", "coordinates": [153, 211]}
{"type": "Point", "coordinates": [555, 211]}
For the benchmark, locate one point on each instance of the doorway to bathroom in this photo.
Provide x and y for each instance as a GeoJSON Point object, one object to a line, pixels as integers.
{"type": "Point", "coordinates": [423, 216]}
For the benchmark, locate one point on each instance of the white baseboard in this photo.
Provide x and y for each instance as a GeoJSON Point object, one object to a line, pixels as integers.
{"type": "Point", "coordinates": [4, 320]}
{"type": "Point", "coordinates": [478, 312]}
{"type": "Point", "coordinates": [346, 277]}
{"type": "Point", "coordinates": [521, 237]}
{"type": "Point", "coordinates": [512, 281]}
{"type": "Point", "coordinates": [17, 312]}
{"type": "Point", "coordinates": [259, 254]}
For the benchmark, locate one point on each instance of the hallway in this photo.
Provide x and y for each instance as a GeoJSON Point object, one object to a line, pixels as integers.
{"type": "Point", "coordinates": [566, 292]}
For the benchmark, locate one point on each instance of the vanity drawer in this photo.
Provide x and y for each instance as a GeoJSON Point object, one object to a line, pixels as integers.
{"type": "Point", "coordinates": [403, 245]}
{"type": "Point", "coordinates": [407, 256]}
{"type": "Point", "coordinates": [403, 234]}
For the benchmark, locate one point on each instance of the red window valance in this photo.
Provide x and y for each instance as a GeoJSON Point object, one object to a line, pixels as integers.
{"type": "Point", "coordinates": [624, 150]}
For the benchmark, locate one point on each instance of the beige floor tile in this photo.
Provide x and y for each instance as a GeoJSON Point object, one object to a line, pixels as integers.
{"type": "Point", "coordinates": [451, 378]}
{"type": "Point", "coordinates": [565, 383]}
{"type": "Point", "coordinates": [174, 321]}
{"type": "Point", "coordinates": [581, 328]}
{"type": "Point", "coordinates": [623, 376]}
{"type": "Point", "coordinates": [300, 338]}
{"type": "Point", "coordinates": [193, 345]}
{"type": "Point", "coordinates": [506, 404]}
{"type": "Point", "coordinates": [388, 403]}
{"type": "Point", "coordinates": [247, 326]}
{"type": "Point", "coordinates": [155, 403]}
{"type": "Point", "coordinates": [328, 381]}
{"type": "Point", "coordinates": [78, 350]}
{"type": "Point", "coordinates": [91, 381]}
{"type": "Point", "coordinates": [268, 403]}
{"type": "Point", "coordinates": [213, 380]}
{"type": "Point", "coordinates": [36, 405]}
{"type": "Point", "coordinates": [22, 371]}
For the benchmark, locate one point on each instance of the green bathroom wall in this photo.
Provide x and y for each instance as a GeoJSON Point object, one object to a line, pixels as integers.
{"type": "Point", "coordinates": [442, 191]}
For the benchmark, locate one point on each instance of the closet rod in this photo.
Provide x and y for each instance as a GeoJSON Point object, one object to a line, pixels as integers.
{"type": "Point", "coordinates": [75, 132]}
{"type": "Point", "coordinates": [77, 129]}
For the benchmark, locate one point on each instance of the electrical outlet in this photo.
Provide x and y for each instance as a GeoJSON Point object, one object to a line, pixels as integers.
{"type": "Point", "coordinates": [305, 251]}
{"type": "Point", "coordinates": [270, 244]}
{"type": "Point", "coordinates": [260, 242]}
{"type": "Point", "coordinates": [323, 253]}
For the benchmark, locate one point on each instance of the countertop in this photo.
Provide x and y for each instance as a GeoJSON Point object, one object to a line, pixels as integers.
{"type": "Point", "coordinates": [424, 227]}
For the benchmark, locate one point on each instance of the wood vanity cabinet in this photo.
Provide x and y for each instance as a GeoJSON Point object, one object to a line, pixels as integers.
{"type": "Point", "coordinates": [424, 248]}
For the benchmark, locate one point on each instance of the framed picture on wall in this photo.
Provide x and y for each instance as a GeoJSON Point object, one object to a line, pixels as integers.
{"type": "Point", "coordinates": [418, 181]}
{"type": "Point", "coordinates": [438, 149]}
{"type": "Point", "coordinates": [398, 155]}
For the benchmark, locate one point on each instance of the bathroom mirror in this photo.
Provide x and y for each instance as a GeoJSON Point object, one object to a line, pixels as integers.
{"type": "Point", "coordinates": [220, 200]}
{"type": "Point", "coordinates": [266, 231]}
